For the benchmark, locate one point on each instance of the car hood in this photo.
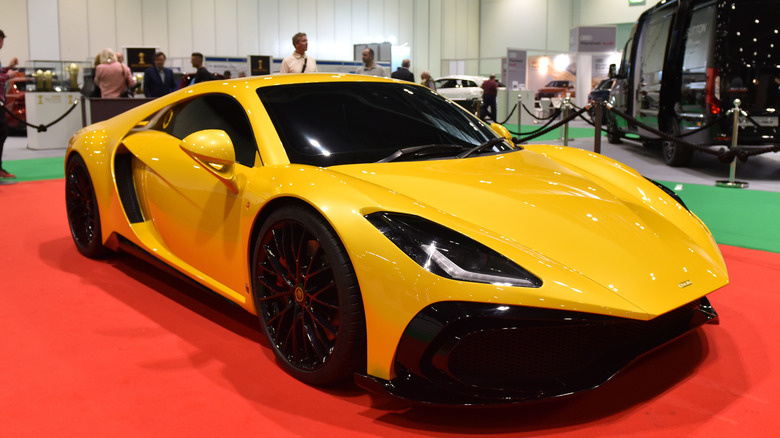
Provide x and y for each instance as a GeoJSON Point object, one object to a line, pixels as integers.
{"type": "Point", "coordinates": [632, 241]}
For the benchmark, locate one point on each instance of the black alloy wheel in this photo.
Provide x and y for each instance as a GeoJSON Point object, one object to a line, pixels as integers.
{"type": "Point", "coordinates": [308, 298]}
{"type": "Point", "coordinates": [82, 209]}
{"type": "Point", "coordinates": [674, 154]}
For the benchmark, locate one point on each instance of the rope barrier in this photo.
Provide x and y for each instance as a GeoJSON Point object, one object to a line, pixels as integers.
{"type": "Point", "coordinates": [725, 155]}
{"type": "Point", "coordinates": [545, 129]}
{"type": "Point", "coordinates": [41, 127]}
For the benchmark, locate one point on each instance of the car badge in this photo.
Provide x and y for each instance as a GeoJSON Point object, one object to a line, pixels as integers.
{"type": "Point", "coordinates": [685, 283]}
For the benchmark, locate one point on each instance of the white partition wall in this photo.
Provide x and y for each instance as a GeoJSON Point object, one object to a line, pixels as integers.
{"type": "Point", "coordinates": [437, 31]}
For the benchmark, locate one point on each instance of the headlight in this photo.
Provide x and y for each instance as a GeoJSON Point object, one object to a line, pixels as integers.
{"type": "Point", "coordinates": [448, 253]}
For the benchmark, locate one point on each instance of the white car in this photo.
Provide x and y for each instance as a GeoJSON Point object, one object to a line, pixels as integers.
{"type": "Point", "coordinates": [460, 87]}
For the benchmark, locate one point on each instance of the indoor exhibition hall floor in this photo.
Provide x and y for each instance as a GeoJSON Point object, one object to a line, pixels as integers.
{"type": "Point", "coordinates": [117, 347]}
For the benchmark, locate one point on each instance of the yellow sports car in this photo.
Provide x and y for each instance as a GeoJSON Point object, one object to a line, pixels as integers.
{"type": "Point", "coordinates": [381, 232]}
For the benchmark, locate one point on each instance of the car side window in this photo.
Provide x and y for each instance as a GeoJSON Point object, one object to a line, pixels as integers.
{"type": "Point", "coordinates": [214, 111]}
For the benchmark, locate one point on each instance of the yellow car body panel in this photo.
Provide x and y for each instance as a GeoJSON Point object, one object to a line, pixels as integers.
{"type": "Point", "coordinates": [596, 233]}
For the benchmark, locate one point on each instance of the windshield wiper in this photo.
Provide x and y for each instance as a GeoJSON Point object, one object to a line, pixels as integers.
{"type": "Point", "coordinates": [422, 151]}
{"type": "Point", "coordinates": [490, 143]}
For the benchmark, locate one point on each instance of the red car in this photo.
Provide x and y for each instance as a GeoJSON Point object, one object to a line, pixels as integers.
{"type": "Point", "coordinates": [556, 89]}
{"type": "Point", "coordinates": [14, 102]}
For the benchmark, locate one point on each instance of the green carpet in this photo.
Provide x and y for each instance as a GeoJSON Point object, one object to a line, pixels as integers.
{"type": "Point", "coordinates": [736, 217]}
{"type": "Point", "coordinates": [555, 134]}
{"type": "Point", "coordinates": [36, 169]}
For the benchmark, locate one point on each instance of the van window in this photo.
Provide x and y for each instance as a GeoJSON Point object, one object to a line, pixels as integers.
{"type": "Point", "coordinates": [699, 40]}
{"type": "Point", "coordinates": [697, 57]}
{"type": "Point", "coordinates": [654, 46]}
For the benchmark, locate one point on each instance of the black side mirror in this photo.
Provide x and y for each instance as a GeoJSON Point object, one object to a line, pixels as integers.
{"type": "Point", "coordinates": [612, 71]}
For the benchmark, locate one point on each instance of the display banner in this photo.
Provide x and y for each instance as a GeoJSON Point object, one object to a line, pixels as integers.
{"type": "Point", "coordinates": [593, 39]}
{"type": "Point", "coordinates": [222, 65]}
{"type": "Point", "coordinates": [260, 65]}
{"type": "Point", "coordinates": [139, 58]}
{"type": "Point", "coordinates": [516, 63]}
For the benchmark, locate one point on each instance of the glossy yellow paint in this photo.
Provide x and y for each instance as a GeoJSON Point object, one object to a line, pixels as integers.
{"type": "Point", "coordinates": [602, 238]}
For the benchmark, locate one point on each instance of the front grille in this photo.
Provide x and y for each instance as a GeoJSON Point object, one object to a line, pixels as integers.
{"type": "Point", "coordinates": [455, 352]}
{"type": "Point", "coordinates": [528, 357]}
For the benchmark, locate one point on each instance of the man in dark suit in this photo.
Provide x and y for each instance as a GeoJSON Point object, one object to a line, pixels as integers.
{"type": "Point", "coordinates": [403, 72]}
{"type": "Point", "coordinates": [158, 80]}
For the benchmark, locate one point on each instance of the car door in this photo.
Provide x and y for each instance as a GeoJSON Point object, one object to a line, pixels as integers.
{"type": "Point", "coordinates": [196, 214]}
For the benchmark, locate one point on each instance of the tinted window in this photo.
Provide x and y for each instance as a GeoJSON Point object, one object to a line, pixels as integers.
{"type": "Point", "coordinates": [446, 83]}
{"type": "Point", "coordinates": [339, 123]}
{"type": "Point", "coordinates": [654, 46]}
{"type": "Point", "coordinates": [214, 111]}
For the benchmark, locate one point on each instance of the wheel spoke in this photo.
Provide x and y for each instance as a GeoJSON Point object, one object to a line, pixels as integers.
{"type": "Point", "coordinates": [303, 325]}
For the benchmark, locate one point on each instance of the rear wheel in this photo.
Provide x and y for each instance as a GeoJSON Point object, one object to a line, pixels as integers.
{"type": "Point", "coordinates": [675, 154]}
{"type": "Point", "coordinates": [82, 209]}
{"type": "Point", "coordinates": [308, 298]}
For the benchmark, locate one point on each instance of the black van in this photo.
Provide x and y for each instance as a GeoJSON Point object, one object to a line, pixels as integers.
{"type": "Point", "coordinates": [684, 64]}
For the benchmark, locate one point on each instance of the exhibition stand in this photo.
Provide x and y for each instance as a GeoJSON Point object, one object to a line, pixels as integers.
{"type": "Point", "coordinates": [46, 107]}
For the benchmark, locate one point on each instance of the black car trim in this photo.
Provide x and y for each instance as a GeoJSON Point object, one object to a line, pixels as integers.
{"type": "Point", "coordinates": [460, 353]}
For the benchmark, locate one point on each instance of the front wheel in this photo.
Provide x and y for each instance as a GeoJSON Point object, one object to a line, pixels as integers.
{"type": "Point", "coordinates": [308, 298]}
{"type": "Point", "coordinates": [82, 209]}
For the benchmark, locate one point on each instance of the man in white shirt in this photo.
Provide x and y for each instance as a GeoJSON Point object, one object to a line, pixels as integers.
{"type": "Point", "coordinates": [298, 62]}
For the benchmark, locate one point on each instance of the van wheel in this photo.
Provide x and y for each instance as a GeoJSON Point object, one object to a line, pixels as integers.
{"type": "Point", "coordinates": [613, 134]}
{"type": "Point", "coordinates": [674, 154]}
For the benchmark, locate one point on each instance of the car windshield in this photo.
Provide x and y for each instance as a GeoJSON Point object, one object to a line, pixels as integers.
{"type": "Point", "coordinates": [558, 84]}
{"type": "Point", "coordinates": [332, 123]}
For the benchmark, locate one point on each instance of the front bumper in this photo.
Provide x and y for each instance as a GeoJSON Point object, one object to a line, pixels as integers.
{"type": "Point", "coordinates": [459, 353]}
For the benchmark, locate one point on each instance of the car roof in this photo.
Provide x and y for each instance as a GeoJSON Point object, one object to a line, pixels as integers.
{"type": "Point", "coordinates": [478, 79]}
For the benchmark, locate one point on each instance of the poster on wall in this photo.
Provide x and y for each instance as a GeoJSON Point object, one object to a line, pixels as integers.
{"type": "Point", "coordinates": [260, 65]}
{"type": "Point", "coordinates": [139, 58]}
{"type": "Point", "coordinates": [542, 70]}
{"type": "Point", "coordinates": [515, 78]}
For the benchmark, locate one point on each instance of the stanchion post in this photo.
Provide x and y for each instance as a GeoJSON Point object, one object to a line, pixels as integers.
{"type": "Point", "coordinates": [736, 111]}
{"type": "Point", "coordinates": [565, 128]}
{"type": "Point", "coordinates": [598, 111]}
{"type": "Point", "coordinates": [519, 113]}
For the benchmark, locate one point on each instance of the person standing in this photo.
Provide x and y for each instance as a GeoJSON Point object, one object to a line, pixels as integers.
{"type": "Point", "coordinates": [158, 80]}
{"type": "Point", "coordinates": [201, 75]}
{"type": "Point", "coordinates": [370, 67]}
{"type": "Point", "coordinates": [6, 73]}
{"type": "Point", "coordinates": [111, 75]}
{"type": "Point", "coordinates": [490, 88]}
{"type": "Point", "coordinates": [131, 84]}
{"type": "Point", "coordinates": [299, 62]}
{"type": "Point", "coordinates": [427, 80]}
{"type": "Point", "coordinates": [403, 72]}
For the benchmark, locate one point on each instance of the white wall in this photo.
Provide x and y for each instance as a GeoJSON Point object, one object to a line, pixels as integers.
{"type": "Point", "coordinates": [598, 12]}
{"type": "Point", "coordinates": [477, 32]}
{"type": "Point", "coordinates": [76, 30]}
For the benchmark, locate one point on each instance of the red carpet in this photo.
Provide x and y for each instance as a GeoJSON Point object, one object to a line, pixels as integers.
{"type": "Point", "coordinates": [119, 348]}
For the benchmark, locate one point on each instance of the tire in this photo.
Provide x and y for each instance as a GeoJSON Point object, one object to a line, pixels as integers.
{"type": "Point", "coordinates": [613, 133]}
{"type": "Point", "coordinates": [82, 209]}
{"type": "Point", "coordinates": [673, 154]}
{"type": "Point", "coordinates": [307, 297]}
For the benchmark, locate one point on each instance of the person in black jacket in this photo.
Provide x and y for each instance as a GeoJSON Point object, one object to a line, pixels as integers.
{"type": "Point", "coordinates": [158, 80]}
{"type": "Point", "coordinates": [202, 74]}
{"type": "Point", "coordinates": [403, 72]}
